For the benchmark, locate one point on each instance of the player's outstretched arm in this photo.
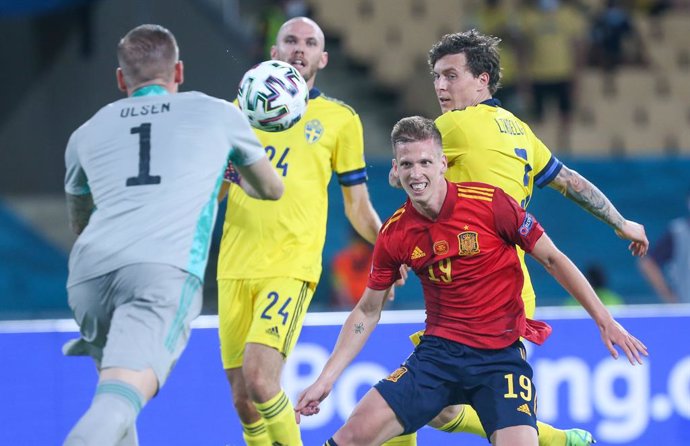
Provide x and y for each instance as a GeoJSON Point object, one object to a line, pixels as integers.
{"type": "Point", "coordinates": [79, 209]}
{"type": "Point", "coordinates": [590, 198]}
{"type": "Point", "coordinates": [360, 212]}
{"type": "Point", "coordinates": [354, 334]}
{"type": "Point", "coordinates": [260, 180]}
{"type": "Point", "coordinates": [567, 274]}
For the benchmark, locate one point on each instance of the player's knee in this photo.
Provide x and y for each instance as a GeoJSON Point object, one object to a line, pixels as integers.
{"type": "Point", "coordinates": [261, 386]}
{"type": "Point", "coordinates": [244, 407]}
{"type": "Point", "coordinates": [447, 415]}
{"type": "Point", "coordinates": [351, 434]}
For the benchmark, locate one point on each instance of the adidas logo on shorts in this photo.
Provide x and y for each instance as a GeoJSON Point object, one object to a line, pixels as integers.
{"type": "Point", "coordinates": [524, 409]}
{"type": "Point", "coordinates": [273, 331]}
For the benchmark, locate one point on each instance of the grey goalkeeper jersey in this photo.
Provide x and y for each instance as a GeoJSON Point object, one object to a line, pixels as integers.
{"type": "Point", "coordinates": [154, 164]}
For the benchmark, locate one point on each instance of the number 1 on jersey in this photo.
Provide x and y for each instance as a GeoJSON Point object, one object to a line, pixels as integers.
{"type": "Point", "coordinates": [144, 177]}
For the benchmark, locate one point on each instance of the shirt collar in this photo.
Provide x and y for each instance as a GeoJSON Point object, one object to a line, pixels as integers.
{"type": "Point", "coordinates": [149, 90]}
{"type": "Point", "coordinates": [493, 102]}
{"type": "Point", "coordinates": [314, 93]}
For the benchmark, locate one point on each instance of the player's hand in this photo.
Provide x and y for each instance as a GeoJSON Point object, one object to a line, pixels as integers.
{"type": "Point", "coordinates": [613, 333]}
{"type": "Point", "coordinates": [400, 282]}
{"type": "Point", "coordinates": [403, 275]}
{"type": "Point", "coordinates": [308, 401]}
{"type": "Point", "coordinates": [636, 234]}
{"type": "Point", "coordinates": [393, 179]}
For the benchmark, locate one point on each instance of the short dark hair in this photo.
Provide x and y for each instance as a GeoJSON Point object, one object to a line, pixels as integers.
{"type": "Point", "coordinates": [481, 52]}
{"type": "Point", "coordinates": [147, 52]}
{"type": "Point", "coordinates": [413, 129]}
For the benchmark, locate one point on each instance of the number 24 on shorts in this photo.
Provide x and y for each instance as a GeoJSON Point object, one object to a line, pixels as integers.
{"type": "Point", "coordinates": [274, 298]}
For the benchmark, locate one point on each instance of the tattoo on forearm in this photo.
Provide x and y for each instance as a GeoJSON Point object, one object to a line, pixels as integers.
{"type": "Point", "coordinates": [359, 327]}
{"type": "Point", "coordinates": [79, 208]}
{"type": "Point", "coordinates": [588, 196]}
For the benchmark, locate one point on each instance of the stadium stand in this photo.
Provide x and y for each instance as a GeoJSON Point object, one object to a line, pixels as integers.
{"type": "Point", "coordinates": [639, 108]}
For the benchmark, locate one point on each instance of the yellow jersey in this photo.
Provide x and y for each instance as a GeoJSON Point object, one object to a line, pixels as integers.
{"type": "Point", "coordinates": [285, 238]}
{"type": "Point", "coordinates": [488, 144]}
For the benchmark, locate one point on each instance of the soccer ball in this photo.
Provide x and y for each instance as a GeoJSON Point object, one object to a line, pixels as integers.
{"type": "Point", "coordinates": [273, 95]}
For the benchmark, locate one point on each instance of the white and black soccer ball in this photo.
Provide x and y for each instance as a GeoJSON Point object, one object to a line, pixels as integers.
{"type": "Point", "coordinates": [273, 95]}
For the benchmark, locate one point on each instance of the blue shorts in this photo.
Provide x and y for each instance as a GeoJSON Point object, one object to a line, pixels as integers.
{"type": "Point", "coordinates": [440, 373]}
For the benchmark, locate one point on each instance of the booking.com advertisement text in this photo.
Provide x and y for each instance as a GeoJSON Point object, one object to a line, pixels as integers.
{"type": "Point", "coordinates": [578, 383]}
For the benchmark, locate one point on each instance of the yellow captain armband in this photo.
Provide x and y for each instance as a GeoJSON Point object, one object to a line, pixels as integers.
{"type": "Point", "coordinates": [416, 337]}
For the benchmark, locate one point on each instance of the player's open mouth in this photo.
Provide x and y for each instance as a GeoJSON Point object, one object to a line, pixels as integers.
{"type": "Point", "coordinates": [297, 63]}
{"type": "Point", "coordinates": [418, 186]}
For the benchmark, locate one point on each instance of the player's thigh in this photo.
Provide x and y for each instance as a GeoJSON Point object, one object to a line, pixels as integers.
{"type": "Point", "coordinates": [262, 368]}
{"type": "Point", "coordinates": [235, 316]}
{"type": "Point", "coordinates": [92, 306]}
{"type": "Point", "coordinates": [150, 327]}
{"type": "Point", "coordinates": [279, 310]}
{"type": "Point", "coordinates": [515, 436]}
{"type": "Point", "coordinates": [423, 373]}
{"type": "Point", "coordinates": [448, 414]}
{"type": "Point", "coordinates": [502, 391]}
{"type": "Point", "coordinates": [371, 422]}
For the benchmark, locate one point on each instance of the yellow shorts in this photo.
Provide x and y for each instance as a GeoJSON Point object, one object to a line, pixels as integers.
{"type": "Point", "coordinates": [263, 311]}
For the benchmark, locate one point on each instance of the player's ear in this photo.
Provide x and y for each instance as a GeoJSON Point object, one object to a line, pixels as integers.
{"type": "Point", "coordinates": [119, 75]}
{"type": "Point", "coordinates": [484, 79]}
{"type": "Point", "coordinates": [444, 164]}
{"type": "Point", "coordinates": [323, 60]}
{"type": "Point", "coordinates": [274, 52]}
{"type": "Point", "coordinates": [179, 72]}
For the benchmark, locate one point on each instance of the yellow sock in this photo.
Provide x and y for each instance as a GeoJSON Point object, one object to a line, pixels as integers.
{"type": "Point", "coordinates": [255, 434]}
{"type": "Point", "coordinates": [466, 421]}
{"type": "Point", "coordinates": [403, 440]}
{"type": "Point", "coordinates": [279, 416]}
{"type": "Point", "coordinates": [550, 436]}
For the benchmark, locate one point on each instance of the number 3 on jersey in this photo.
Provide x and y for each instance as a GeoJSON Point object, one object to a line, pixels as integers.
{"type": "Point", "coordinates": [522, 153]}
{"type": "Point", "coordinates": [281, 163]}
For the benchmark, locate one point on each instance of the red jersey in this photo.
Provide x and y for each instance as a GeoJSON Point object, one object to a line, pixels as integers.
{"type": "Point", "coordinates": [467, 263]}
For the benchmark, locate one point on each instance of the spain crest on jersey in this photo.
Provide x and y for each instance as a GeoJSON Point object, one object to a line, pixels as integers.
{"type": "Point", "coordinates": [313, 131]}
{"type": "Point", "coordinates": [469, 243]}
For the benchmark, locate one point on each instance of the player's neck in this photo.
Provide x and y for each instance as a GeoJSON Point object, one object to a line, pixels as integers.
{"type": "Point", "coordinates": [482, 96]}
{"type": "Point", "coordinates": [432, 207]}
{"type": "Point", "coordinates": [171, 87]}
